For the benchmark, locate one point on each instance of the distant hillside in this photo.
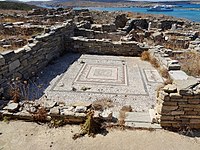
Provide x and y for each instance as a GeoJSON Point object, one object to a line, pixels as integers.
{"type": "Point", "coordinates": [16, 6]}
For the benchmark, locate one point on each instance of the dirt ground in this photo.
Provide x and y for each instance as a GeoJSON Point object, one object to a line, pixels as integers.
{"type": "Point", "coordinates": [18, 135]}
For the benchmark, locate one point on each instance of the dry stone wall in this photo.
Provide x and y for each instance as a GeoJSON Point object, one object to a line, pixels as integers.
{"type": "Point", "coordinates": [178, 105]}
{"type": "Point", "coordinates": [98, 34]}
{"type": "Point", "coordinates": [106, 47]}
{"type": "Point", "coordinates": [26, 61]}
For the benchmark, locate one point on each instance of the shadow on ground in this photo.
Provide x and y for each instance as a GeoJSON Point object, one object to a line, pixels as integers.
{"type": "Point", "coordinates": [41, 81]}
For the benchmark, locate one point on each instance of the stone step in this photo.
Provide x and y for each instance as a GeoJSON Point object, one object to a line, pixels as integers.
{"type": "Point", "coordinates": [143, 125]}
{"type": "Point", "coordinates": [139, 119]}
{"type": "Point", "coordinates": [142, 117]}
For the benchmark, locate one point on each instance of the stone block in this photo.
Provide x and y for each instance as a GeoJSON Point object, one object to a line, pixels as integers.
{"type": "Point", "coordinates": [174, 66]}
{"type": "Point", "coordinates": [177, 112]}
{"type": "Point", "coordinates": [164, 96]}
{"type": "Point", "coordinates": [178, 75]}
{"type": "Point", "coordinates": [195, 126]}
{"type": "Point", "coordinates": [190, 116]}
{"type": "Point", "coordinates": [176, 125]}
{"type": "Point", "coordinates": [198, 110]}
{"type": "Point", "coordinates": [49, 104]}
{"type": "Point", "coordinates": [66, 112]}
{"type": "Point", "coordinates": [7, 55]}
{"type": "Point", "coordinates": [2, 60]}
{"type": "Point", "coordinates": [190, 109]}
{"type": "Point", "coordinates": [178, 100]}
{"type": "Point", "coordinates": [175, 95]}
{"type": "Point", "coordinates": [166, 118]}
{"type": "Point", "coordinates": [165, 124]}
{"type": "Point", "coordinates": [11, 107]}
{"type": "Point", "coordinates": [191, 113]}
{"type": "Point", "coordinates": [189, 106]}
{"type": "Point", "coordinates": [191, 97]}
{"type": "Point", "coordinates": [169, 108]}
{"type": "Point", "coordinates": [195, 121]}
{"type": "Point", "coordinates": [86, 104]}
{"type": "Point", "coordinates": [80, 109]}
{"type": "Point", "coordinates": [54, 111]}
{"type": "Point", "coordinates": [82, 115]}
{"type": "Point", "coordinates": [170, 103]}
{"type": "Point", "coordinates": [106, 114]}
{"type": "Point", "coordinates": [184, 86]}
{"type": "Point", "coordinates": [170, 88]}
{"type": "Point", "coordinates": [193, 101]}
{"type": "Point", "coordinates": [13, 65]}
{"type": "Point", "coordinates": [158, 109]}
{"type": "Point", "coordinates": [137, 117]}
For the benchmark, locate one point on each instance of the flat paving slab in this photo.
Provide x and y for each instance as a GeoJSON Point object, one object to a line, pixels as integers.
{"type": "Point", "coordinates": [124, 80]}
{"type": "Point", "coordinates": [138, 117]}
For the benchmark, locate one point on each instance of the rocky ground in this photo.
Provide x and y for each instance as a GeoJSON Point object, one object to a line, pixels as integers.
{"type": "Point", "coordinates": [31, 136]}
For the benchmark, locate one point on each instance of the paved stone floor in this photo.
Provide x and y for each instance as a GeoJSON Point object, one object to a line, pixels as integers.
{"type": "Point", "coordinates": [124, 80]}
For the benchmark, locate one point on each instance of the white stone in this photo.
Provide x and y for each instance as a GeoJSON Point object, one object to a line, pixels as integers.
{"type": "Point", "coordinates": [178, 75]}
{"type": "Point", "coordinates": [49, 104]}
{"type": "Point", "coordinates": [106, 114]}
{"type": "Point", "coordinates": [80, 109]}
{"type": "Point", "coordinates": [66, 112]}
{"type": "Point", "coordinates": [54, 111]}
{"type": "Point", "coordinates": [11, 106]}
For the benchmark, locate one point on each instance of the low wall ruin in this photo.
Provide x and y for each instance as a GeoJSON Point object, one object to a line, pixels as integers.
{"type": "Point", "coordinates": [106, 47]}
{"type": "Point", "coordinates": [178, 105]}
{"type": "Point", "coordinates": [26, 61]}
{"type": "Point", "coordinates": [91, 34]}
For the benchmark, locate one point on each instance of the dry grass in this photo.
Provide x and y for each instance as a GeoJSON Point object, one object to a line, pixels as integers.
{"type": "Point", "coordinates": [164, 72]}
{"type": "Point", "coordinates": [127, 108]}
{"type": "Point", "coordinates": [16, 95]}
{"type": "Point", "coordinates": [154, 62]}
{"type": "Point", "coordinates": [122, 114]}
{"type": "Point", "coordinates": [40, 115]}
{"type": "Point", "coordinates": [190, 63]}
{"type": "Point", "coordinates": [145, 56]}
{"type": "Point", "coordinates": [102, 104]}
{"type": "Point", "coordinates": [168, 81]}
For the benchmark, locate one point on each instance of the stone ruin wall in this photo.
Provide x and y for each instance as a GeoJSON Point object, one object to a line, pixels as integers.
{"type": "Point", "coordinates": [178, 108]}
{"type": "Point", "coordinates": [177, 104]}
{"type": "Point", "coordinates": [106, 47]}
{"type": "Point", "coordinates": [174, 109]}
{"type": "Point", "coordinates": [26, 61]}
{"type": "Point", "coordinates": [92, 34]}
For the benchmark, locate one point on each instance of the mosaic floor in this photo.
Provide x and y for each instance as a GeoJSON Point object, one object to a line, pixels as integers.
{"type": "Point", "coordinates": [125, 80]}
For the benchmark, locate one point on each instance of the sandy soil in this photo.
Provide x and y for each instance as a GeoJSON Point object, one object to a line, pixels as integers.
{"type": "Point", "coordinates": [18, 135]}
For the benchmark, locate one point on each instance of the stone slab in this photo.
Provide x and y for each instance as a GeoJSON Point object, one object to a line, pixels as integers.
{"type": "Point", "coordinates": [143, 125]}
{"type": "Point", "coordinates": [178, 75]}
{"type": "Point", "coordinates": [142, 117]}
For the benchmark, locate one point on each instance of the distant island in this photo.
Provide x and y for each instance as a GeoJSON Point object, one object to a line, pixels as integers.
{"type": "Point", "coordinates": [14, 5]}
{"type": "Point", "coordinates": [106, 3]}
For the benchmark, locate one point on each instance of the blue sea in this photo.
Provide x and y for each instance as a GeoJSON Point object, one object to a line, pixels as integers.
{"type": "Point", "coordinates": [179, 12]}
